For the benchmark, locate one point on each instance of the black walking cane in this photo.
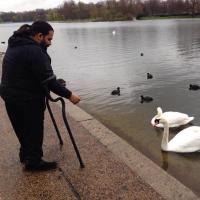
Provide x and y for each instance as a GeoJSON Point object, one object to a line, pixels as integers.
{"type": "Point", "coordinates": [49, 98]}
{"type": "Point", "coordinates": [54, 122]}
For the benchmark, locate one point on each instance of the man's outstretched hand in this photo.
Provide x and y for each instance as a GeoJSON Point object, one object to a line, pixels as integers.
{"type": "Point", "coordinates": [74, 98]}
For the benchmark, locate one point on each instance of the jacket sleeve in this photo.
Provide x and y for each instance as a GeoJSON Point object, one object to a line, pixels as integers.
{"type": "Point", "coordinates": [58, 89]}
{"type": "Point", "coordinates": [43, 72]}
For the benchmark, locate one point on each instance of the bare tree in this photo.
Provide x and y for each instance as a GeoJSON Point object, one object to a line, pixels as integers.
{"type": "Point", "coordinates": [193, 4]}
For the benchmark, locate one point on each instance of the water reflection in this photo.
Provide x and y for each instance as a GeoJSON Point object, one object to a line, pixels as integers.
{"type": "Point", "coordinates": [188, 43]}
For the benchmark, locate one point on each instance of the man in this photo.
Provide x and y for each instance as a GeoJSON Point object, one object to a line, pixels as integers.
{"type": "Point", "coordinates": [26, 70]}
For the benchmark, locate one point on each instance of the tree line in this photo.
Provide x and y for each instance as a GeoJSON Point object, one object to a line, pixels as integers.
{"type": "Point", "coordinates": [110, 10]}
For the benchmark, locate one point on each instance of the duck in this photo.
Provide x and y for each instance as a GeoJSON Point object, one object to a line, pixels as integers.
{"type": "Point", "coordinates": [149, 76]}
{"type": "Point", "coordinates": [194, 87]}
{"type": "Point", "coordinates": [146, 99]}
{"type": "Point", "coordinates": [141, 54]}
{"type": "Point", "coordinates": [116, 92]}
{"type": "Point", "coordinates": [185, 141]}
{"type": "Point", "coordinates": [175, 119]}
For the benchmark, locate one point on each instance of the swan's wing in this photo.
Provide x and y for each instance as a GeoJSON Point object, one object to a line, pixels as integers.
{"type": "Point", "coordinates": [187, 140]}
{"type": "Point", "coordinates": [176, 118]}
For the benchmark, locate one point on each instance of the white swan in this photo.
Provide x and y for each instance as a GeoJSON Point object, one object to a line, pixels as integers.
{"type": "Point", "coordinates": [186, 141]}
{"type": "Point", "coordinates": [175, 119]}
{"type": "Point", "coordinates": [113, 32]}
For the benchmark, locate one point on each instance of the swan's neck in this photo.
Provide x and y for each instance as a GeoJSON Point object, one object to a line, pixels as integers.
{"type": "Point", "coordinates": [165, 138]}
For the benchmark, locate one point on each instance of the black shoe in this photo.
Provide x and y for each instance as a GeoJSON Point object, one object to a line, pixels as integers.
{"type": "Point", "coordinates": [22, 156]}
{"type": "Point", "coordinates": [40, 166]}
{"type": "Point", "coordinates": [22, 160]}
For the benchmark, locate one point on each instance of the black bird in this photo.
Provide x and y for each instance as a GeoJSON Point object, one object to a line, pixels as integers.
{"type": "Point", "coordinates": [116, 92]}
{"type": "Point", "coordinates": [146, 99]}
{"type": "Point", "coordinates": [149, 76]}
{"type": "Point", "coordinates": [75, 47]}
{"type": "Point", "coordinates": [3, 42]}
{"type": "Point", "coordinates": [141, 54]}
{"type": "Point", "coordinates": [194, 87]}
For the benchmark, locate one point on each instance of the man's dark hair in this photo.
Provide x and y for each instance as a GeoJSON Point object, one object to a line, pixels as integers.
{"type": "Point", "coordinates": [23, 31]}
{"type": "Point", "coordinates": [40, 27]}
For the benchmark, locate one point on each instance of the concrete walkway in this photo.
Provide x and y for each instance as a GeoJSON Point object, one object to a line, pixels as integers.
{"type": "Point", "coordinates": [113, 169]}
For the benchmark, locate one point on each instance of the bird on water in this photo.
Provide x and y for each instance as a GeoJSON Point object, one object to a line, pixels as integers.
{"type": "Point", "coordinates": [116, 92]}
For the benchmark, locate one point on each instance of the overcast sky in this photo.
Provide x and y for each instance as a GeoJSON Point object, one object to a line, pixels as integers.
{"type": "Point", "coordinates": [26, 5]}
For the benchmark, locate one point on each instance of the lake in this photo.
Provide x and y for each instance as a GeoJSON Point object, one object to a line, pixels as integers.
{"type": "Point", "coordinates": [94, 61]}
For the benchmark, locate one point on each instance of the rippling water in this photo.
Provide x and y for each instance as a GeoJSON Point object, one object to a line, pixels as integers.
{"type": "Point", "coordinates": [102, 61]}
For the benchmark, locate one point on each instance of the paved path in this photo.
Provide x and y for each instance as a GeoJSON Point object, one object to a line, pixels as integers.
{"type": "Point", "coordinates": [104, 177]}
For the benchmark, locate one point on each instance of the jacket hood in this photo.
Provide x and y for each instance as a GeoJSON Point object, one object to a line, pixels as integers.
{"type": "Point", "coordinates": [15, 41]}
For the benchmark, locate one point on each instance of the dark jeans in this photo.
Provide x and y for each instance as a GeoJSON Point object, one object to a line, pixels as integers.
{"type": "Point", "coordinates": [27, 119]}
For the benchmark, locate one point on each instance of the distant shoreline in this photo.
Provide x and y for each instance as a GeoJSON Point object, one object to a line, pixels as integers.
{"type": "Point", "coordinates": [119, 20]}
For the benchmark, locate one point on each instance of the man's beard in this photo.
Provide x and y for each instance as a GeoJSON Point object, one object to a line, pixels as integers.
{"type": "Point", "coordinates": [44, 45]}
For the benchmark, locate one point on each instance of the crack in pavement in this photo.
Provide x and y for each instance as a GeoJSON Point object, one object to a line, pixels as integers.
{"type": "Point", "coordinates": [73, 189]}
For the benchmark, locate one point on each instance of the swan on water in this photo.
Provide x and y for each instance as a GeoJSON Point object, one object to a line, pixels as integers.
{"type": "Point", "coordinates": [186, 141]}
{"type": "Point", "coordinates": [175, 119]}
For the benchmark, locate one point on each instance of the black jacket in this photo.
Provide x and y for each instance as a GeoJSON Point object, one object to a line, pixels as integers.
{"type": "Point", "coordinates": [26, 69]}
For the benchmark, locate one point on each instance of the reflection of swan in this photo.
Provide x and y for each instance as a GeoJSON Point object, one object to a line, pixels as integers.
{"type": "Point", "coordinates": [165, 163]}
{"type": "Point", "coordinates": [175, 119]}
{"type": "Point", "coordinates": [186, 141]}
